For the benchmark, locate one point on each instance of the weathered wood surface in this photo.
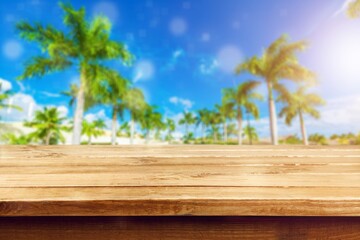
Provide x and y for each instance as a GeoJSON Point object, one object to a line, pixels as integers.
{"type": "Point", "coordinates": [179, 180]}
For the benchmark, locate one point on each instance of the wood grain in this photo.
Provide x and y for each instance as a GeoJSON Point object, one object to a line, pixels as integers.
{"type": "Point", "coordinates": [179, 180]}
{"type": "Point", "coordinates": [191, 228]}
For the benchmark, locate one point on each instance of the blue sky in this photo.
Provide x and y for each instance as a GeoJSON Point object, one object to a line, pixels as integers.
{"type": "Point", "coordinates": [186, 49]}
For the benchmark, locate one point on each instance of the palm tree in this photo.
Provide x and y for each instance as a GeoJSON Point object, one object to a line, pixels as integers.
{"type": "Point", "coordinates": [226, 112]}
{"type": "Point", "coordinates": [170, 126]}
{"type": "Point", "coordinates": [240, 98]}
{"type": "Point", "coordinates": [151, 120]}
{"type": "Point", "coordinates": [214, 121]}
{"type": "Point", "coordinates": [90, 101]}
{"type": "Point", "coordinates": [298, 104]}
{"type": "Point", "coordinates": [188, 119]}
{"type": "Point", "coordinates": [5, 95]}
{"type": "Point", "coordinates": [203, 119]}
{"type": "Point", "coordinates": [353, 10]}
{"type": "Point", "coordinates": [134, 102]}
{"type": "Point", "coordinates": [86, 46]}
{"type": "Point", "coordinates": [93, 129]}
{"type": "Point", "coordinates": [279, 61]}
{"type": "Point", "coordinates": [250, 133]}
{"type": "Point", "coordinates": [49, 126]}
{"type": "Point", "coordinates": [113, 94]}
{"type": "Point", "coordinates": [124, 130]}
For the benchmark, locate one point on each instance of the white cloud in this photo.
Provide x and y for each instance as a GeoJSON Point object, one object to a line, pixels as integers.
{"type": "Point", "coordinates": [342, 8]}
{"type": "Point", "coordinates": [229, 57]}
{"type": "Point", "coordinates": [208, 66]}
{"type": "Point", "coordinates": [12, 49]}
{"type": "Point", "coordinates": [5, 85]}
{"type": "Point", "coordinates": [90, 117]}
{"type": "Point", "coordinates": [26, 102]}
{"type": "Point", "coordinates": [49, 94]}
{"type": "Point", "coordinates": [178, 26]}
{"type": "Point", "coordinates": [184, 102]}
{"type": "Point", "coordinates": [107, 8]}
{"type": "Point", "coordinates": [339, 115]}
{"type": "Point", "coordinates": [143, 70]}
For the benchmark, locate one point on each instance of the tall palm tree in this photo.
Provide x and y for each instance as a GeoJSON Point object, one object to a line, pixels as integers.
{"type": "Point", "coordinates": [279, 61]}
{"type": "Point", "coordinates": [354, 9]}
{"type": "Point", "coordinates": [243, 98]}
{"type": "Point", "coordinates": [170, 126]}
{"type": "Point", "coordinates": [90, 101]}
{"type": "Point", "coordinates": [232, 129]}
{"type": "Point", "coordinates": [151, 120]}
{"type": "Point", "coordinates": [86, 45]}
{"type": "Point", "coordinates": [49, 126]}
{"type": "Point", "coordinates": [188, 119]}
{"type": "Point", "coordinates": [226, 112]}
{"type": "Point", "coordinates": [250, 133]}
{"type": "Point", "coordinates": [134, 102]}
{"type": "Point", "coordinates": [203, 119]}
{"type": "Point", "coordinates": [5, 95]}
{"type": "Point", "coordinates": [298, 104]}
{"type": "Point", "coordinates": [93, 129]}
{"type": "Point", "coordinates": [113, 94]}
{"type": "Point", "coordinates": [214, 121]}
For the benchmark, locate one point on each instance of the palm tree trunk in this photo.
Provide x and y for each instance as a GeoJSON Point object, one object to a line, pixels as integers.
{"type": "Point", "coordinates": [303, 129]}
{"type": "Point", "coordinates": [203, 132]}
{"type": "Point", "coordinates": [147, 137]}
{"type": "Point", "coordinates": [186, 129]}
{"type": "Point", "coordinates": [132, 128]}
{"type": "Point", "coordinates": [48, 137]}
{"type": "Point", "coordinates": [225, 132]}
{"type": "Point", "coordinates": [214, 135]}
{"type": "Point", "coordinates": [89, 141]}
{"type": "Point", "coordinates": [240, 128]}
{"type": "Point", "coordinates": [113, 126]}
{"type": "Point", "coordinates": [272, 115]}
{"type": "Point", "coordinates": [79, 111]}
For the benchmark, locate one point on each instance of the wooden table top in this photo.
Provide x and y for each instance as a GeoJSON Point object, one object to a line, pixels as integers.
{"type": "Point", "coordinates": [179, 180]}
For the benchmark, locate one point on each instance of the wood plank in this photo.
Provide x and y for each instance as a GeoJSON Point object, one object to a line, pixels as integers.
{"type": "Point", "coordinates": [162, 161]}
{"type": "Point", "coordinates": [179, 180]}
{"type": "Point", "coordinates": [192, 228]}
{"type": "Point", "coordinates": [177, 193]}
{"type": "Point", "coordinates": [187, 179]}
{"type": "Point", "coordinates": [184, 169]}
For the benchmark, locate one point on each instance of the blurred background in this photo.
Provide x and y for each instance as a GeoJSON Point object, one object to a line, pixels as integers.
{"type": "Point", "coordinates": [180, 72]}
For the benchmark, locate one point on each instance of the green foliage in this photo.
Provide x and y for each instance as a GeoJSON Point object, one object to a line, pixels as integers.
{"type": "Point", "coordinates": [346, 138]}
{"type": "Point", "coordinates": [279, 61]}
{"type": "Point", "coordinates": [151, 120]}
{"type": "Point", "coordinates": [124, 130]}
{"type": "Point", "coordinates": [14, 139]}
{"type": "Point", "coordinates": [250, 132]}
{"type": "Point", "coordinates": [318, 139]}
{"type": "Point", "coordinates": [293, 139]}
{"type": "Point", "coordinates": [232, 129]}
{"type": "Point", "coordinates": [170, 126]}
{"type": "Point", "coordinates": [243, 96]}
{"type": "Point", "coordinates": [299, 102]}
{"type": "Point", "coordinates": [187, 120]}
{"type": "Point", "coordinates": [353, 10]}
{"type": "Point", "coordinates": [93, 129]}
{"type": "Point", "coordinates": [188, 138]}
{"type": "Point", "coordinates": [48, 125]}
